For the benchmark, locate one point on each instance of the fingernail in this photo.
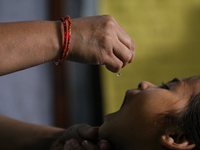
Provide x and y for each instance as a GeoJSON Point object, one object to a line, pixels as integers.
{"type": "Point", "coordinates": [73, 143]}
{"type": "Point", "coordinates": [103, 145]}
{"type": "Point", "coordinates": [67, 146]}
{"type": "Point", "coordinates": [86, 144]}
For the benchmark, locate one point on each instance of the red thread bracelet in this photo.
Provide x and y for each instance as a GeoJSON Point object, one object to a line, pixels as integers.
{"type": "Point", "coordinates": [66, 40]}
{"type": "Point", "coordinates": [69, 34]}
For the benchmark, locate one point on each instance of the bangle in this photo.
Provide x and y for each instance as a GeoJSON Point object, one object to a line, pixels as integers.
{"type": "Point", "coordinates": [66, 40]}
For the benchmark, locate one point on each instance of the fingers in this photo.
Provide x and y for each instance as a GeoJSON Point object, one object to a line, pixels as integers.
{"type": "Point", "coordinates": [122, 53]}
{"type": "Point", "coordinates": [89, 146]}
{"type": "Point", "coordinates": [127, 41]}
{"type": "Point", "coordinates": [74, 145]}
{"type": "Point", "coordinates": [104, 145]}
{"type": "Point", "coordinates": [120, 57]}
{"type": "Point", "coordinates": [114, 64]}
{"type": "Point", "coordinates": [88, 132]}
{"type": "Point", "coordinates": [100, 40]}
{"type": "Point", "coordinates": [121, 45]}
{"type": "Point", "coordinates": [80, 132]}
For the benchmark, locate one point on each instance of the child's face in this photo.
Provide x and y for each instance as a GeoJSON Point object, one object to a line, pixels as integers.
{"type": "Point", "coordinates": [135, 124]}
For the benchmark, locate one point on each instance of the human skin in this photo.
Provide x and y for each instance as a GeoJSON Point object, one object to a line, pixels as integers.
{"type": "Point", "coordinates": [135, 125]}
{"type": "Point", "coordinates": [19, 135]}
{"type": "Point", "coordinates": [94, 40]}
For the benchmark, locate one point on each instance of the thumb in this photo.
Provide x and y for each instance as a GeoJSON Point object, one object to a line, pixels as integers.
{"type": "Point", "coordinates": [88, 132]}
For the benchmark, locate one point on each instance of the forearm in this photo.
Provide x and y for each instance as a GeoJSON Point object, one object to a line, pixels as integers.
{"type": "Point", "coordinates": [97, 40]}
{"type": "Point", "coordinates": [26, 44]}
{"type": "Point", "coordinates": [20, 136]}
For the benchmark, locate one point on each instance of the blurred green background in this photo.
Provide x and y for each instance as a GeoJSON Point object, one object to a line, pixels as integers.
{"type": "Point", "coordinates": [167, 40]}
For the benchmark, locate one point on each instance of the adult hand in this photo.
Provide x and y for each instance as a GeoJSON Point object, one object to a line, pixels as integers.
{"type": "Point", "coordinates": [85, 145]}
{"type": "Point", "coordinates": [100, 40]}
{"type": "Point", "coordinates": [81, 133]}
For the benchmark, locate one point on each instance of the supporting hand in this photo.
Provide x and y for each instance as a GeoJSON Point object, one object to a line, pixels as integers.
{"type": "Point", "coordinates": [85, 145]}
{"type": "Point", "coordinates": [81, 133]}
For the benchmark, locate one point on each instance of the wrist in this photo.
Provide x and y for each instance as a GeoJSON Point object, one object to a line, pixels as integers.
{"type": "Point", "coordinates": [58, 39]}
{"type": "Point", "coordinates": [49, 138]}
{"type": "Point", "coordinates": [58, 140]}
{"type": "Point", "coordinates": [66, 21]}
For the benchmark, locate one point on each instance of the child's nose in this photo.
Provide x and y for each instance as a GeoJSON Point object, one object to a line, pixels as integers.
{"type": "Point", "coordinates": [144, 85]}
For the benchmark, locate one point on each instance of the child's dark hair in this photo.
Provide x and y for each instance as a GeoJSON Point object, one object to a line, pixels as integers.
{"type": "Point", "coordinates": [188, 119]}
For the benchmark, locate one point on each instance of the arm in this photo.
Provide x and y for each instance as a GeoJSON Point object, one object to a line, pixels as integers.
{"type": "Point", "coordinates": [94, 40]}
{"type": "Point", "coordinates": [26, 44]}
{"type": "Point", "coordinates": [20, 136]}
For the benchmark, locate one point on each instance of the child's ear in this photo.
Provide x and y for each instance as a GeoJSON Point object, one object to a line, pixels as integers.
{"type": "Point", "coordinates": [176, 142]}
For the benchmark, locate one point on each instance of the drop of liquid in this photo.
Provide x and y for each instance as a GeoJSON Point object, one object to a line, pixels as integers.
{"type": "Point", "coordinates": [119, 74]}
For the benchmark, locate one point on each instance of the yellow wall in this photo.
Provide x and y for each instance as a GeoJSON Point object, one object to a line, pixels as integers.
{"type": "Point", "coordinates": [167, 39]}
